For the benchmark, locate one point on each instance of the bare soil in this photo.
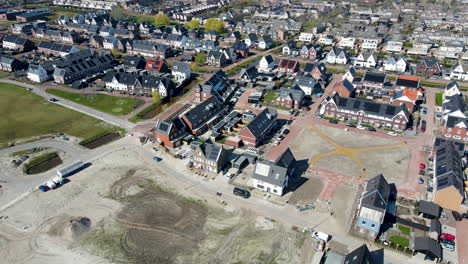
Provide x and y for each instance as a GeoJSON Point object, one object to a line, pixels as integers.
{"type": "Point", "coordinates": [102, 140]}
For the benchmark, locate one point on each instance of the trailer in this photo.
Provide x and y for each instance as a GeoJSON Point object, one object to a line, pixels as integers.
{"type": "Point", "coordinates": [70, 169]}
{"type": "Point", "coordinates": [321, 236]}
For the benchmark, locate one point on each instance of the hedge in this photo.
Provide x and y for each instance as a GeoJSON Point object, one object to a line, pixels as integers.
{"type": "Point", "coordinates": [39, 159]}
{"type": "Point", "coordinates": [90, 139]}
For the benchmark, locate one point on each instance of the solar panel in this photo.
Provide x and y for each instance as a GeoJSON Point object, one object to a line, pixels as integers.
{"type": "Point", "coordinates": [356, 104]}
{"type": "Point", "coordinates": [342, 102]}
{"type": "Point", "coordinates": [372, 107]}
{"type": "Point", "coordinates": [390, 110]}
{"type": "Point", "coordinates": [163, 126]}
{"type": "Point", "coordinates": [214, 153]}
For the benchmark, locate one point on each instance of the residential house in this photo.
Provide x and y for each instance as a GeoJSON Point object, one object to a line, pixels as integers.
{"type": "Point", "coordinates": [310, 51]}
{"type": "Point", "coordinates": [16, 43]}
{"type": "Point", "coordinates": [394, 46]}
{"type": "Point", "coordinates": [134, 63]}
{"type": "Point", "coordinates": [420, 48]}
{"type": "Point", "coordinates": [241, 49]}
{"type": "Point", "coordinates": [288, 48]}
{"type": "Point", "coordinates": [233, 37]}
{"type": "Point", "coordinates": [459, 71]}
{"type": "Point", "coordinates": [407, 82]}
{"type": "Point", "coordinates": [326, 40]}
{"type": "Point", "coordinates": [308, 84]}
{"type": "Point", "coordinates": [291, 98]}
{"type": "Point", "coordinates": [288, 66]}
{"type": "Point", "coordinates": [209, 157]}
{"type": "Point", "coordinates": [181, 72]}
{"type": "Point", "coordinates": [373, 82]}
{"type": "Point", "coordinates": [55, 49]}
{"type": "Point", "coordinates": [211, 35]}
{"type": "Point", "coordinates": [370, 43]}
{"type": "Point", "coordinates": [142, 85]}
{"type": "Point", "coordinates": [209, 45]}
{"type": "Point", "coordinates": [12, 64]}
{"type": "Point", "coordinates": [253, 134]}
{"type": "Point", "coordinates": [248, 74]}
{"type": "Point", "coordinates": [148, 49]}
{"type": "Point", "coordinates": [347, 42]}
{"type": "Point", "coordinates": [429, 210]}
{"type": "Point", "coordinates": [84, 69]}
{"type": "Point", "coordinates": [428, 247]}
{"type": "Point", "coordinates": [366, 112]}
{"type": "Point", "coordinates": [37, 73]}
{"type": "Point", "coordinates": [449, 176]}
{"type": "Point", "coordinates": [251, 39]}
{"type": "Point", "coordinates": [204, 115]}
{"type": "Point", "coordinates": [191, 43]}
{"type": "Point", "coordinates": [395, 64]}
{"type": "Point", "coordinates": [455, 118]}
{"type": "Point", "coordinates": [429, 66]}
{"type": "Point", "coordinates": [157, 66]}
{"type": "Point", "coordinates": [273, 176]}
{"type": "Point", "coordinates": [216, 58]}
{"type": "Point", "coordinates": [350, 74]}
{"type": "Point", "coordinates": [96, 41]}
{"type": "Point", "coordinates": [373, 207]}
{"type": "Point", "coordinates": [317, 70]}
{"type": "Point", "coordinates": [344, 88]}
{"type": "Point", "coordinates": [112, 43]}
{"type": "Point", "coordinates": [170, 132]}
{"type": "Point", "coordinates": [337, 56]}
{"type": "Point", "coordinates": [366, 59]}
{"type": "Point", "coordinates": [408, 97]}
{"type": "Point", "coordinates": [306, 36]}
{"type": "Point", "coordinates": [214, 86]}
{"type": "Point", "coordinates": [266, 64]}
{"type": "Point", "coordinates": [451, 89]}
{"type": "Point", "coordinates": [265, 42]}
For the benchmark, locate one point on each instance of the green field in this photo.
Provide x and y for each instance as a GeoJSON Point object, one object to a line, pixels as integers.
{"type": "Point", "coordinates": [105, 103]}
{"type": "Point", "coordinates": [25, 115]}
{"type": "Point", "coordinates": [405, 230]}
{"type": "Point", "coordinates": [439, 99]}
{"type": "Point", "coordinates": [398, 240]}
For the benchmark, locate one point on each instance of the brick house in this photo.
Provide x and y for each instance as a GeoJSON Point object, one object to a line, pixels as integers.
{"type": "Point", "coordinates": [12, 64]}
{"type": "Point", "coordinates": [84, 69]}
{"type": "Point", "coordinates": [157, 65]}
{"type": "Point", "coordinates": [209, 157]}
{"type": "Point", "coordinates": [373, 82]}
{"type": "Point", "coordinates": [204, 115]}
{"type": "Point", "coordinates": [344, 89]}
{"type": "Point", "coordinates": [55, 49]}
{"type": "Point", "coordinates": [253, 134]}
{"type": "Point", "coordinates": [407, 82]}
{"type": "Point", "coordinates": [288, 66]}
{"type": "Point", "coordinates": [310, 51]}
{"type": "Point", "coordinates": [429, 66]}
{"type": "Point", "coordinates": [17, 43]}
{"type": "Point", "coordinates": [170, 133]}
{"type": "Point", "coordinates": [317, 70]}
{"type": "Point", "coordinates": [408, 97]}
{"type": "Point", "coordinates": [290, 98]}
{"type": "Point", "coordinates": [365, 111]}
{"type": "Point", "coordinates": [455, 119]}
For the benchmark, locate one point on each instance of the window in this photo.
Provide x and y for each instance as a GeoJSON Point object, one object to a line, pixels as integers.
{"type": "Point", "coordinates": [260, 186]}
{"type": "Point", "coordinates": [373, 225]}
{"type": "Point", "coordinates": [363, 222]}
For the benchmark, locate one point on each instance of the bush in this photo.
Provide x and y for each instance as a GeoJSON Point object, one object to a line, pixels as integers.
{"type": "Point", "coordinates": [38, 160]}
{"type": "Point", "coordinates": [90, 139]}
{"type": "Point", "coordinates": [140, 115]}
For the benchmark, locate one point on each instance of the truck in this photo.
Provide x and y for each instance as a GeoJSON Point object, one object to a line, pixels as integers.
{"type": "Point", "coordinates": [70, 169]}
{"type": "Point", "coordinates": [321, 236]}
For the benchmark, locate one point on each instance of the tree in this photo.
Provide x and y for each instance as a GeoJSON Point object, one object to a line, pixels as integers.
{"type": "Point", "coordinates": [216, 25]}
{"type": "Point", "coordinates": [117, 13]}
{"type": "Point", "coordinates": [115, 53]}
{"type": "Point", "coordinates": [194, 23]}
{"type": "Point", "coordinates": [161, 19]}
{"type": "Point", "coordinates": [156, 97]}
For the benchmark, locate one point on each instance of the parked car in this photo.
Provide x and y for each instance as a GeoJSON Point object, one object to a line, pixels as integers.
{"type": "Point", "coordinates": [361, 127]}
{"type": "Point", "coordinates": [156, 158]}
{"type": "Point", "coordinates": [424, 111]}
{"type": "Point", "coordinates": [393, 134]}
{"type": "Point", "coordinates": [321, 236]}
{"type": "Point", "coordinates": [446, 241]}
{"type": "Point", "coordinates": [307, 109]}
{"type": "Point", "coordinates": [332, 121]}
{"type": "Point", "coordinates": [350, 125]}
{"type": "Point", "coordinates": [423, 123]}
{"type": "Point", "coordinates": [286, 131]}
{"type": "Point", "coordinates": [420, 180]}
{"type": "Point", "coordinates": [447, 236]}
{"type": "Point", "coordinates": [423, 129]}
{"type": "Point", "coordinates": [371, 129]}
{"type": "Point", "coordinates": [447, 246]}
{"type": "Point", "coordinates": [53, 99]}
{"type": "Point", "coordinates": [241, 192]}
{"type": "Point", "coordinates": [280, 137]}
{"type": "Point", "coordinates": [422, 172]}
{"type": "Point", "coordinates": [422, 166]}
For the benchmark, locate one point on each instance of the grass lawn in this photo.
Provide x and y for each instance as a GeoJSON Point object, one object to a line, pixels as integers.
{"type": "Point", "coordinates": [405, 230]}
{"type": "Point", "coordinates": [4, 74]}
{"type": "Point", "coordinates": [398, 240]}
{"type": "Point", "coordinates": [25, 115]}
{"type": "Point", "coordinates": [270, 97]}
{"type": "Point", "coordinates": [105, 103]}
{"type": "Point", "coordinates": [439, 99]}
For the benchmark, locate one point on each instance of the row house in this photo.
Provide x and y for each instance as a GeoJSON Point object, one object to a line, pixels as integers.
{"type": "Point", "coordinates": [394, 46]}
{"type": "Point", "coordinates": [370, 43]}
{"type": "Point", "coordinates": [111, 43]}
{"type": "Point", "coordinates": [216, 58]}
{"type": "Point", "coordinates": [55, 49]}
{"type": "Point", "coordinates": [288, 66]}
{"type": "Point", "coordinates": [366, 112]}
{"type": "Point", "coordinates": [429, 66]}
{"type": "Point", "coordinates": [373, 82]}
{"type": "Point", "coordinates": [233, 37]}
{"type": "Point", "coordinates": [84, 69]}
{"type": "Point", "coordinates": [366, 59]}
{"type": "Point", "coordinates": [173, 40]}
{"type": "Point", "coordinates": [148, 49]}
{"type": "Point", "coordinates": [16, 43]}
{"type": "Point", "coordinates": [157, 66]}
{"type": "Point", "coordinates": [347, 42]}
{"type": "Point", "coordinates": [395, 64]}
{"type": "Point", "coordinates": [203, 116]}
{"type": "Point", "coordinates": [310, 51]}
{"type": "Point", "coordinates": [27, 28]}
{"type": "Point", "coordinates": [76, 27]}
{"type": "Point", "coordinates": [57, 36]}
{"type": "Point", "coordinates": [12, 64]}
{"type": "Point", "coordinates": [170, 132]}
{"type": "Point", "coordinates": [451, 50]}
{"type": "Point", "coordinates": [326, 40]}
{"type": "Point", "coordinates": [214, 86]}
{"type": "Point", "coordinates": [306, 37]}
{"type": "Point", "coordinates": [408, 97]}
{"type": "Point", "coordinates": [253, 134]}
{"type": "Point", "coordinates": [455, 114]}
{"type": "Point", "coordinates": [142, 85]}
{"type": "Point", "coordinates": [209, 157]}
{"type": "Point", "coordinates": [134, 63]}
{"type": "Point", "coordinates": [407, 82]}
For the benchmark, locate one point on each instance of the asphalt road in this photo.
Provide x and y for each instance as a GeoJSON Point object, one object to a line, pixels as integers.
{"type": "Point", "coordinates": [116, 121]}
{"type": "Point", "coordinates": [50, 143]}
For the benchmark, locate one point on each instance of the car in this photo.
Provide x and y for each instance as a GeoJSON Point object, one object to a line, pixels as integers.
{"type": "Point", "coordinates": [447, 246]}
{"type": "Point", "coordinates": [321, 236]}
{"type": "Point", "coordinates": [423, 128]}
{"type": "Point", "coordinates": [423, 123]}
{"type": "Point", "coordinates": [280, 137]}
{"type": "Point", "coordinates": [361, 127]}
{"type": "Point", "coordinates": [409, 129]}
{"type": "Point", "coordinates": [393, 134]}
{"type": "Point", "coordinates": [307, 109]}
{"type": "Point", "coordinates": [156, 158]}
{"type": "Point", "coordinates": [430, 189]}
{"type": "Point", "coordinates": [276, 143]}
{"type": "Point", "coordinates": [332, 121]}
{"type": "Point", "coordinates": [241, 192]}
{"type": "Point", "coordinates": [286, 131]}
{"type": "Point", "coordinates": [447, 241]}
{"type": "Point", "coordinates": [424, 111]}
{"type": "Point", "coordinates": [53, 99]}
{"type": "Point", "coordinates": [447, 236]}
{"type": "Point", "coordinates": [422, 172]}
{"type": "Point", "coordinates": [421, 180]}
{"type": "Point", "coordinates": [371, 129]}
{"type": "Point", "coordinates": [422, 166]}
{"type": "Point", "coordinates": [350, 125]}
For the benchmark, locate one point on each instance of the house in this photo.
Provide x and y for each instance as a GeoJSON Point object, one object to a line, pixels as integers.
{"type": "Point", "coordinates": [337, 56]}
{"type": "Point", "coordinates": [191, 43]}
{"type": "Point", "coordinates": [16, 43]}
{"type": "Point", "coordinates": [211, 35]}
{"type": "Point", "coordinates": [408, 97]}
{"type": "Point", "coordinates": [360, 255]}
{"type": "Point", "coordinates": [81, 70]}
{"type": "Point", "coordinates": [241, 49]}
{"type": "Point", "coordinates": [142, 85]}
{"type": "Point", "coordinates": [366, 59]}
{"type": "Point", "coordinates": [306, 36]}
{"type": "Point", "coordinates": [209, 45]}
{"type": "Point", "coordinates": [266, 64]}
{"type": "Point", "coordinates": [112, 43]}
{"type": "Point", "coordinates": [373, 207]}
{"type": "Point", "coordinates": [317, 70]}
{"type": "Point", "coordinates": [449, 191]}
{"type": "Point", "coordinates": [134, 62]}
{"type": "Point", "coordinates": [428, 247]}
{"type": "Point", "coordinates": [344, 88]}
{"type": "Point", "coordinates": [157, 66]}
{"type": "Point", "coordinates": [370, 43]}
{"type": "Point", "coordinates": [347, 42]}
{"type": "Point", "coordinates": [233, 37]}
{"type": "Point", "coordinates": [273, 176]}
{"type": "Point", "coordinates": [394, 46]}
{"type": "Point", "coordinates": [288, 48]}
{"type": "Point", "coordinates": [459, 71]}
{"type": "Point", "coordinates": [290, 98]}
{"type": "Point", "coordinates": [215, 85]}
{"type": "Point", "coordinates": [181, 72]}
{"type": "Point", "coordinates": [12, 64]}
{"type": "Point", "coordinates": [203, 116]}
{"type": "Point", "coordinates": [366, 112]}
{"type": "Point", "coordinates": [148, 49]}
{"type": "Point", "coordinates": [216, 58]}
{"type": "Point", "coordinates": [455, 116]}
{"type": "Point", "coordinates": [265, 42]}
{"type": "Point", "coordinates": [452, 89]}
{"type": "Point", "coordinates": [407, 82]}
{"type": "Point", "coordinates": [170, 133]}
{"type": "Point", "coordinates": [253, 134]}
{"type": "Point", "coordinates": [373, 82]}
{"type": "Point", "coordinates": [310, 51]}
{"type": "Point", "coordinates": [251, 39]}
{"type": "Point", "coordinates": [429, 209]}
{"type": "Point", "coordinates": [37, 73]}
{"type": "Point", "coordinates": [248, 74]}
{"type": "Point", "coordinates": [30, 16]}
{"type": "Point", "coordinates": [96, 41]}
{"type": "Point", "coordinates": [350, 74]}
{"type": "Point", "coordinates": [288, 66]}
{"type": "Point", "coordinates": [326, 40]}
{"type": "Point", "coordinates": [55, 49]}
{"type": "Point", "coordinates": [428, 66]}
{"type": "Point", "coordinates": [209, 157]}
{"type": "Point", "coordinates": [308, 84]}
{"type": "Point", "coordinates": [395, 64]}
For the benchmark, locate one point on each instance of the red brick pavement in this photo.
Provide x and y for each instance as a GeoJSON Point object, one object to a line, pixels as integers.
{"type": "Point", "coordinates": [462, 241]}
{"type": "Point", "coordinates": [332, 180]}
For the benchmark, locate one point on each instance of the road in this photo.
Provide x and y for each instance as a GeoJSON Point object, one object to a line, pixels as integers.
{"type": "Point", "coordinates": [50, 143]}
{"type": "Point", "coordinates": [113, 120]}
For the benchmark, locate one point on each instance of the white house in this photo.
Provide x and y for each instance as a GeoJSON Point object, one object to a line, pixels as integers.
{"type": "Point", "coordinates": [395, 64]}
{"type": "Point", "coordinates": [288, 48]}
{"type": "Point", "coordinates": [306, 37]}
{"type": "Point", "coordinates": [326, 40]}
{"type": "Point", "coordinates": [251, 39]}
{"type": "Point", "coordinates": [181, 72]}
{"type": "Point", "coordinates": [347, 42]}
{"type": "Point", "coordinates": [337, 56]}
{"type": "Point", "coordinates": [273, 176]}
{"type": "Point", "coordinates": [37, 73]}
{"type": "Point", "coordinates": [350, 75]}
{"type": "Point", "coordinates": [452, 88]}
{"type": "Point", "coordinates": [459, 72]}
{"type": "Point", "coordinates": [419, 49]}
{"type": "Point", "coordinates": [394, 46]}
{"type": "Point", "coordinates": [265, 42]}
{"type": "Point", "coordinates": [369, 43]}
{"type": "Point", "coordinates": [266, 64]}
{"type": "Point", "coordinates": [366, 59]}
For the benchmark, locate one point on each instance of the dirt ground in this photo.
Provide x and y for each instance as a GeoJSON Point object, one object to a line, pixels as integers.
{"type": "Point", "coordinates": [393, 163]}
{"type": "Point", "coordinates": [115, 212]}
{"type": "Point", "coordinates": [308, 192]}
{"type": "Point", "coordinates": [306, 149]}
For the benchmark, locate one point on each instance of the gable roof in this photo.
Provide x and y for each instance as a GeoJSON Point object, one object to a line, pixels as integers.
{"type": "Point", "coordinates": [407, 81]}
{"type": "Point", "coordinates": [448, 167]}
{"type": "Point", "coordinates": [165, 126]}
{"type": "Point", "coordinates": [375, 77]}
{"type": "Point", "coordinates": [211, 151]}
{"type": "Point", "coordinates": [428, 246]}
{"type": "Point", "coordinates": [156, 64]}
{"type": "Point", "coordinates": [275, 172]}
{"type": "Point", "coordinates": [429, 208]}
{"type": "Point", "coordinates": [360, 255]}
{"type": "Point", "coordinates": [204, 111]}
{"type": "Point", "coordinates": [376, 194]}
{"type": "Point", "coordinates": [287, 64]}
{"type": "Point", "coordinates": [262, 122]}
